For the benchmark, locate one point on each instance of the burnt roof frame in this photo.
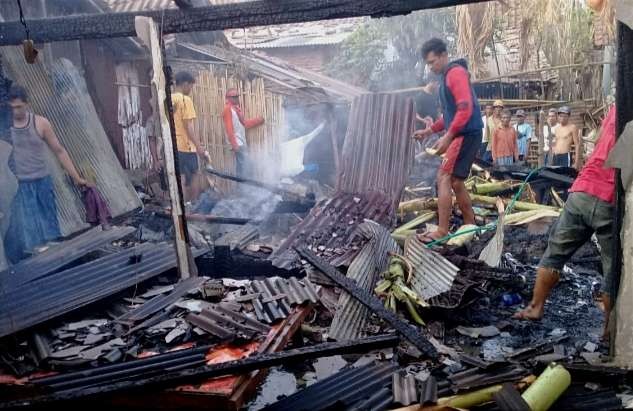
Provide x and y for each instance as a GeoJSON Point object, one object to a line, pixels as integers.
{"type": "Point", "coordinates": [209, 18]}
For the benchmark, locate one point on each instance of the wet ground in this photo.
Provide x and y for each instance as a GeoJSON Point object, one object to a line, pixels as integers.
{"type": "Point", "coordinates": [571, 310]}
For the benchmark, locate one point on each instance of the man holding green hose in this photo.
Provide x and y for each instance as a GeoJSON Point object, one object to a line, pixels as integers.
{"type": "Point", "coordinates": [588, 210]}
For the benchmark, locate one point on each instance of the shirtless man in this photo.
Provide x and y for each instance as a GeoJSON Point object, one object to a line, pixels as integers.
{"type": "Point", "coordinates": [566, 134]}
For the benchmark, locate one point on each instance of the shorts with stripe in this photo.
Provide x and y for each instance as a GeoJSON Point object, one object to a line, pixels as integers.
{"type": "Point", "coordinates": [460, 155]}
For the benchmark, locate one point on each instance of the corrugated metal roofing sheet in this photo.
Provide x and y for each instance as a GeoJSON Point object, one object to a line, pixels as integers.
{"type": "Point", "coordinates": [351, 317]}
{"type": "Point", "coordinates": [330, 230]}
{"type": "Point", "coordinates": [339, 391]}
{"type": "Point", "coordinates": [404, 388]}
{"type": "Point", "coordinates": [63, 292]}
{"type": "Point", "coordinates": [162, 301]}
{"type": "Point", "coordinates": [277, 296]}
{"type": "Point", "coordinates": [378, 401]}
{"type": "Point", "coordinates": [61, 96]}
{"type": "Point", "coordinates": [59, 255]}
{"type": "Point", "coordinates": [225, 323]}
{"type": "Point", "coordinates": [475, 377]}
{"type": "Point", "coordinates": [378, 150]}
{"type": "Point", "coordinates": [428, 391]}
{"type": "Point", "coordinates": [432, 273]}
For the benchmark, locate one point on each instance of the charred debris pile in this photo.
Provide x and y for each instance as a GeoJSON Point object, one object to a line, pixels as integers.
{"type": "Point", "coordinates": [315, 301]}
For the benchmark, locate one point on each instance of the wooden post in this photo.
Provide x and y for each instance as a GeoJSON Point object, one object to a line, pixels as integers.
{"type": "Point", "coordinates": [621, 323]}
{"type": "Point", "coordinates": [540, 123]}
{"type": "Point", "coordinates": [148, 33]}
{"type": "Point", "coordinates": [334, 138]}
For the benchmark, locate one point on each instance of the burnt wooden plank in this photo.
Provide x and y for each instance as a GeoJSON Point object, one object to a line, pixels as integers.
{"type": "Point", "coordinates": [410, 332]}
{"type": "Point", "coordinates": [60, 255]}
{"type": "Point", "coordinates": [210, 18]}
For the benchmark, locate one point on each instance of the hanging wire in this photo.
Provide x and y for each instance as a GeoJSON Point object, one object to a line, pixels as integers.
{"type": "Point", "coordinates": [23, 20]}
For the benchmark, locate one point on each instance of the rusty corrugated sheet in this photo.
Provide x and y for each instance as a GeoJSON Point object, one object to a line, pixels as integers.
{"type": "Point", "coordinates": [432, 273]}
{"type": "Point", "coordinates": [378, 149]}
{"type": "Point", "coordinates": [351, 317]}
{"type": "Point", "coordinates": [330, 230]}
{"type": "Point", "coordinates": [60, 94]}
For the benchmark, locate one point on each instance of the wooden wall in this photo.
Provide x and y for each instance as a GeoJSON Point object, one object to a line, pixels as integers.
{"type": "Point", "coordinates": [212, 81]}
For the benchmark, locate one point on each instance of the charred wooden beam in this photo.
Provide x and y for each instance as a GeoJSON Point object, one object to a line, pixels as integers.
{"type": "Point", "coordinates": [248, 181]}
{"type": "Point", "coordinates": [410, 332]}
{"type": "Point", "coordinates": [210, 18]}
{"type": "Point", "coordinates": [293, 203]}
{"type": "Point", "coordinates": [208, 218]}
{"type": "Point", "coordinates": [195, 373]}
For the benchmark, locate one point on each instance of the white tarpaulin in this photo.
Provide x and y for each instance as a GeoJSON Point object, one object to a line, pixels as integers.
{"type": "Point", "coordinates": [292, 152]}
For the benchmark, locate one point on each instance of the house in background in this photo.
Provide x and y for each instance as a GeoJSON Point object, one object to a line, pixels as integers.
{"type": "Point", "coordinates": [309, 45]}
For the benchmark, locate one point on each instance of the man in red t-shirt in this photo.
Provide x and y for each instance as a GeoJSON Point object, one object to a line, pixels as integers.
{"type": "Point", "coordinates": [588, 210]}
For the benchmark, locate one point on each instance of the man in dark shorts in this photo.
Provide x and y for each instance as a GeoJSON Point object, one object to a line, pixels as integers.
{"type": "Point", "coordinates": [189, 147]}
{"type": "Point", "coordinates": [462, 140]}
{"type": "Point", "coordinates": [589, 209]}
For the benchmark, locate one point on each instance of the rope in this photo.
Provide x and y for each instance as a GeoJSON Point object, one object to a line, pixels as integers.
{"type": "Point", "coordinates": [493, 225]}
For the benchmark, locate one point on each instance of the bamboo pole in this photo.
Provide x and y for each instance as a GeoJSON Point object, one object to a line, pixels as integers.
{"type": "Point", "coordinates": [492, 188]}
{"type": "Point", "coordinates": [425, 204]}
{"type": "Point", "coordinates": [415, 222]}
{"type": "Point", "coordinates": [418, 204]}
{"type": "Point", "coordinates": [550, 385]}
{"type": "Point", "coordinates": [402, 236]}
{"type": "Point", "coordinates": [544, 69]}
{"type": "Point", "coordinates": [518, 205]}
{"type": "Point", "coordinates": [515, 74]}
{"type": "Point", "coordinates": [524, 217]}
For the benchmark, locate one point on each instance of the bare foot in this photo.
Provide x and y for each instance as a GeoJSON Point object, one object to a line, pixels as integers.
{"type": "Point", "coordinates": [531, 312]}
{"type": "Point", "coordinates": [429, 237]}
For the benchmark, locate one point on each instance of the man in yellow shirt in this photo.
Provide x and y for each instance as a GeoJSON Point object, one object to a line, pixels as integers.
{"type": "Point", "coordinates": [188, 143]}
